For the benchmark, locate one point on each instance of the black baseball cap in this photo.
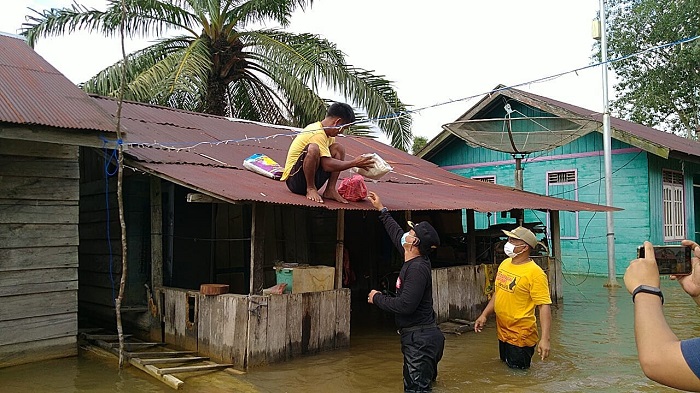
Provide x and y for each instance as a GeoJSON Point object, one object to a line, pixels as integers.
{"type": "Point", "coordinates": [427, 235]}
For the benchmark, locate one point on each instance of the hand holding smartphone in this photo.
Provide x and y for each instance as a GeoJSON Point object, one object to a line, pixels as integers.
{"type": "Point", "coordinates": [671, 260]}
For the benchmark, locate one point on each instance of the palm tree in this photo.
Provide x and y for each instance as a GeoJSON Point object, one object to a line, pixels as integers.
{"type": "Point", "coordinates": [221, 64]}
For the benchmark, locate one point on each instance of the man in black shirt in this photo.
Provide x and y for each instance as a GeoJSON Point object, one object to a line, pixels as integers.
{"type": "Point", "coordinates": [422, 343]}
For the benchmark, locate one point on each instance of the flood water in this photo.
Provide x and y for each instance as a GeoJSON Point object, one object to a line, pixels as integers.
{"type": "Point", "coordinates": [592, 350]}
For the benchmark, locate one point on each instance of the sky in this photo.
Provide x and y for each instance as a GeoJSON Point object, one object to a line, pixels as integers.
{"type": "Point", "coordinates": [437, 53]}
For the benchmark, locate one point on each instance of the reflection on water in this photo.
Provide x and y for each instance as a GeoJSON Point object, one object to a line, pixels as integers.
{"type": "Point", "coordinates": [592, 350]}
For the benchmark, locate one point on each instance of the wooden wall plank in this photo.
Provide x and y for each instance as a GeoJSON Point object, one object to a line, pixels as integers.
{"type": "Point", "coordinates": [38, 328]}
{"type": "Point", "coordinates": [15, 147]}
{"type": "Point", "coordinates": [295, 317]}
{"type": "Point", "coordinates": [235, 328]}
{"type": "Point", "coordinates": [38, 235]}
{"type": "Point", "coordinates": [277, 328]}
{"type": "Point", "coordinates": [38, 257]}
{"type": "Point", "coordinates": [39, 167]}
{"type": "Point", "coordinates": [179, 329]}
{"type": "Point", "coordinates": [100, 279]}
{"type": "Point", "coordinates": [443, 294]}
{"type": "Point", "coordinates": [209, 326]}
{"type": "Point", "coordinates": [327, 319]}
{"type": "Point", "coordinates": [100, 247]}
{"type": "Point", "coordinates": [311, 320]}
{"type": "Point", "coordinates": [257, 331]}
{"type": "Point", "coordinates": [42, 287]}
{"type": "Point", "coordinates": [38, 212]}
{"type": "Point", "coordinates": [456, 285]}
{"type": "Point", "coordinates": [100, 263]}
{"type": "Point", "coordinates": [34, 305]}
{"type": "Point", "coordinates": [15, 354]}
{"type": "Point", "coordinates": [12, 187]}
{"type": "Point", "coordinates": [36, 276]}
{"type": "Point", "coordinates": [342, 328]}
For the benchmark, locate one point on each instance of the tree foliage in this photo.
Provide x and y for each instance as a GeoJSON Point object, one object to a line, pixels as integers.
{"type": "Point", "coordinates": [659, 88]}
{"type": "Point", "coordinates": [419, 143]}
{"type": "Point", "coordinates": [222, 63]}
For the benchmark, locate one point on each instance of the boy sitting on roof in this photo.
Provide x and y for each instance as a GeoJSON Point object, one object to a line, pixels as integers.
{"type": "Point", "coordinates": [315, 158]}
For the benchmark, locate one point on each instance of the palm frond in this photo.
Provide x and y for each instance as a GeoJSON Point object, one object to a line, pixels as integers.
{"type": "Point", "coordinates": [253, 11]}
{"type": "Point", "coordinates": [317, 62]}
{"type": "Point", "coordinates": [144, 18]}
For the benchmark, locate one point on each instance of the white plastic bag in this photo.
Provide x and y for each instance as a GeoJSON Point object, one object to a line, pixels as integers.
{"type": "Point", "coordinates": [377, 170]}
{"type": "Point", "coordinates": [263, 165]}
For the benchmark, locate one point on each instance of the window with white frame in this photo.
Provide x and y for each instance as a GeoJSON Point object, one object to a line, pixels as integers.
{"type": "Point", "coordinates": [563, 184]}
{"type": "Point", "coordinates": [674, 212]}
{"type": "Point", "coordinates": [481, 220]}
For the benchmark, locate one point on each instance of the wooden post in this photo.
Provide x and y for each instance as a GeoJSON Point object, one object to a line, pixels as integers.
{"type": "Point", "coordinates": [471, 237]}
{"type": "Point", "coordinates": [339, 247]}
{"type": "Point", "coordinates": [156, 234]}
{"type": "Point", "coordinates": [257, 249]}
{"type": "Point", "coordinates": [554, 228]}
{"type": "Point", "coordinates": [556, 273]}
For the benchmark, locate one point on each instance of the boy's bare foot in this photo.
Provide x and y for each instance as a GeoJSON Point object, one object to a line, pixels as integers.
{"type": "Point", "coordinates": [334, 195]}
{"type": "Point", "coordinates": [312, 194]}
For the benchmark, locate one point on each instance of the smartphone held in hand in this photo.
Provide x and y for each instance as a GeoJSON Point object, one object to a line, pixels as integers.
{"type": "Point", "coordinates": [671, 259]}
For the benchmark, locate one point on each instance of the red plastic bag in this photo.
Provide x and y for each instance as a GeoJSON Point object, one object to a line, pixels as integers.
{"type": "Point", "coordinates": [353, 188]}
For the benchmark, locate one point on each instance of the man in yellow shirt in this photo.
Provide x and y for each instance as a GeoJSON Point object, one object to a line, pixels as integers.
{"type": "Point", "coordinates": [520, 286]}
{"type": "Point", "coordinates": [315, 158]}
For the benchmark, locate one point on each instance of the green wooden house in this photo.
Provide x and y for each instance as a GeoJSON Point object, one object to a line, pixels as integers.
{"type": "Point", "coordinates": [656, 175]}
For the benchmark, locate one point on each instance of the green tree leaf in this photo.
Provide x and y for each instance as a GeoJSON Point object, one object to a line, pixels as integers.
{"type": "Point", "coordinates": [224, 64]}
{"type": "Point", "coordinates": [659, 88]}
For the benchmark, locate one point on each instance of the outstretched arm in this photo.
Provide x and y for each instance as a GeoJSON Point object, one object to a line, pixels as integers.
{"type": "Point", "coordinates": [330, 164]}
{"type": "Point", "coordinates": [660, 353]}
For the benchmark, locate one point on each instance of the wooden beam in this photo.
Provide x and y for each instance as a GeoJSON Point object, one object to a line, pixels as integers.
{"type": "Point", "coordinates": [188, 369]}
{"type": "Point", "coordinates": [471, 237]}
{"type": "Point", "coordinates": [339, 248]}
{"type": "Point", "coordinates": [171, 360]}
{"type": "Point", "coordinates": [257, 249]}
{"type": "Point", "coordinates": [151, 370]}
{"type": "Point", "coordinates": [158, 353]}
{"type": "Point", "coordinates": [60, 136]}
{"type": "Point", "coordinates": [555, 247]}
{"type": "Point", "coordinates": [194, 197]}
{"type": "Point", "coordinates": [156, 233]}
{"type": "Point", "coordinates": [104, 336]}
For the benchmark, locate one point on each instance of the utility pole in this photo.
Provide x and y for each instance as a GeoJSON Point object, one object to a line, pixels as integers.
{"type": "Point", "coordinates": [607, 150]}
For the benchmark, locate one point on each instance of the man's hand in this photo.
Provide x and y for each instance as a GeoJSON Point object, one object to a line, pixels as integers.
{"type": "Point", "coordinates": [370, 297]}
{"type": "Point", "coordinates": [363, 161]}
{"type": "Point", "coordinates": [479, 323]}
{"type": "Point", "coordinates": [374, 198]}
{"type": "Point", "coordinates": [691, 282]}
{"type": "Point", "coordinates": [543, 348]}
{"type": "Point", "coordinates": [643, 271]}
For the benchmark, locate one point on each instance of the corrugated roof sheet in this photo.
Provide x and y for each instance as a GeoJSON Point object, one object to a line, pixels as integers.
{"type": "Point", "coordinates": [32, 91]}
{"type": "Point", "coordinates": [217, 170]}
{"type": "Point", "coordinates": [666, 139]}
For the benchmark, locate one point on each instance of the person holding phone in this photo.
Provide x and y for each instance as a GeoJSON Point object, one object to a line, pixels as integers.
{"type": "Point", "coordinates": [663, 357]}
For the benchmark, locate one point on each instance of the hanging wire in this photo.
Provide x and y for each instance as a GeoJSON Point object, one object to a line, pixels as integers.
{"type": "Point", "coordinates": [180, 146]}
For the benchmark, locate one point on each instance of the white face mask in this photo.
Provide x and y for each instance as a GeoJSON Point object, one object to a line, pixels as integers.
{"type": "Point", "coordinates": [509, 249]}
{"type": "Point", "coordinates": [403, 239]}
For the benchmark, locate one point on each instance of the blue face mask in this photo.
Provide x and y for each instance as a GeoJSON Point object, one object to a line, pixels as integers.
{"type": "Point", "coordinates": [403, 239]}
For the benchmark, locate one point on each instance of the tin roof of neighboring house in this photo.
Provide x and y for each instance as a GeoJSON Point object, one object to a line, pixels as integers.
{"type": "Point", "coordinates": [33, 92]}
{"type": "Point", "coordinates": [663, 144]}
{"type": "Point", "coordinates": [205, 153]}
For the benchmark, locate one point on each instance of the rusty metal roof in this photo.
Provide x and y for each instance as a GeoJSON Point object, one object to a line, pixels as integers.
{"type": "Point", "coordinates": [215, 168]}
{"type": "Point", "coordinates": [33, 92]}
{"type": "Point", "coordinates": [656, 137]}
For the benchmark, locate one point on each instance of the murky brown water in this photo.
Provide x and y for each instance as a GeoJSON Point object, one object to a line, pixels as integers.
{"type": "Point", "coordinates": [592, 350]}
